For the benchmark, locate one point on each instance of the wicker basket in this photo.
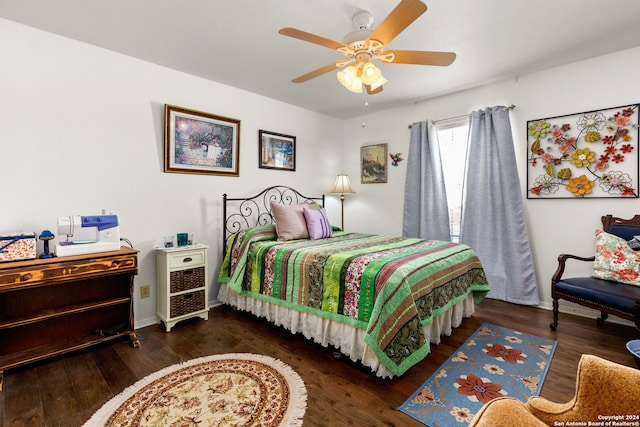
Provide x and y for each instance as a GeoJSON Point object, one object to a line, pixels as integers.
{"type": "Point", "coordinates": [183, 280]}
{"type": "Point", "coordinates": [187, 303]}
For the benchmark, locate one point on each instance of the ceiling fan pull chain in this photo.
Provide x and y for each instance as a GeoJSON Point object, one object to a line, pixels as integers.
{"type": "Point", "coordinates": [365, 104]}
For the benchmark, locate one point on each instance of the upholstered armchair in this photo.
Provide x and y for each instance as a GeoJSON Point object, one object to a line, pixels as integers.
{"type": "Point", "coordinates": [603, 291]}
{"type": "Point", "coordinates": [603, 388]}
{"type": "Point", "coordinates": [505, 412]}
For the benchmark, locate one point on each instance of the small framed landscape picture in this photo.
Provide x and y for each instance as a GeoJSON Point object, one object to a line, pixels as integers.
{"type": "Point", "coordinates": [201, 143]}
{"type": "Point", "coordinates": [276, 151]}
{"type": "Point", "coordinates": [373, 164]}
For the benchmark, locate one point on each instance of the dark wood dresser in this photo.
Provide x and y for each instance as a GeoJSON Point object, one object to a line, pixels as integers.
{"type": "Point", "coordinates": [49, 307]}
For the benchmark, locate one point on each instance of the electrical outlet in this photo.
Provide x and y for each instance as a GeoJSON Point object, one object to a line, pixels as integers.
{"type": "Point", "coordinates": [145, 291]}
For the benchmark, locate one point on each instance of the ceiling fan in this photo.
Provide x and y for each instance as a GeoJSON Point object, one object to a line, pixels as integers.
{"type": "Point", "coordinates": [362, 46]}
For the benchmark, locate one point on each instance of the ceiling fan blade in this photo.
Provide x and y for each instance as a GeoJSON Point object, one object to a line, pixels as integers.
{"type": "Point", "coordinates": [311, 38]}
{"type": "Point", "coordinates": [400, 18]}
{"type": "Point", "coordinates": [315, 73]}
{"type": "Point", "coordinates": [418, 57]}
{"type": "Point", "coordinates": [374, 91]}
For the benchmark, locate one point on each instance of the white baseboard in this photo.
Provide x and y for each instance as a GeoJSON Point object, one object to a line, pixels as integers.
{"type": "Point", "coordinates": [578, 310]}
{"type": "Point", "coordinates": [147, 322]}
{"type": "Point", "coordinates": [565, 307]}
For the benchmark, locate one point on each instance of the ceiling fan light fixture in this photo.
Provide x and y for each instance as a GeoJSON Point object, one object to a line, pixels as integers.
{"type": "Point", "coordinates": [355, 86]}
{"type": "Point", "coordinates": [348, 77]}
{"type": "Point", "coordinates": [364, 45]}
{"type": "Point", "coordinates": [370, 73]}
{"type": "Point", "coordinates": [381, 81]}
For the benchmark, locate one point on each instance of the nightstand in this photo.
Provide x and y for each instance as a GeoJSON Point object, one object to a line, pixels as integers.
{"type": "Point", "coordinates": [182, 283]}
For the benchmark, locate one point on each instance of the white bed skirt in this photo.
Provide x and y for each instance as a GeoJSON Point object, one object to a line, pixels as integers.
{"type": "Point", "coordinates": [346, 338]}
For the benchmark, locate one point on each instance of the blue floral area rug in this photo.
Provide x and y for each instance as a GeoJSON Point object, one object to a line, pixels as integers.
{"type": "Point", "coordinates": [493, 362]}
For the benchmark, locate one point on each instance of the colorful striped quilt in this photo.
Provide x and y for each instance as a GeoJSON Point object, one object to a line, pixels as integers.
{"type": "Point", "coordinates": [388, 286]}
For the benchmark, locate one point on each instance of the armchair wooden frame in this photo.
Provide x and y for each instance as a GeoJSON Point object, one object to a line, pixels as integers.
{"type": "Point", "coordinates": [569, 288]}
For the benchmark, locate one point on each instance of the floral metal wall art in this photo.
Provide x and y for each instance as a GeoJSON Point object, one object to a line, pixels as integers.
{"type": "Point", "coordinates": [585, 155]}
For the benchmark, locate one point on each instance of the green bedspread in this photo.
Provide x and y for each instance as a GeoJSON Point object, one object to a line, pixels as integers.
{"type": "Point", "coordinates": [390, 287]}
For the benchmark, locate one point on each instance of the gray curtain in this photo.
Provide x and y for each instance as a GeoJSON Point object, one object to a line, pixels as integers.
{"type": "Point", "coordinates": [426, 214]}
{"type": "Point", "coordinates": [493, 222]}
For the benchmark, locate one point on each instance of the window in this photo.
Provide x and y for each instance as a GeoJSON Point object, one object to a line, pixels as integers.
{"type": "Point", "coordinates": [453, 135]}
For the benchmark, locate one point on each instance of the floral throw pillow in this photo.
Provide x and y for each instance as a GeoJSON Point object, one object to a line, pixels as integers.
{"type": "Point", "coordinates": [615, 260]}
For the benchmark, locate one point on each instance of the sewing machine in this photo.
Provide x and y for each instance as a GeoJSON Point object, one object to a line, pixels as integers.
{"type": "Point", "coordinates": [93, 233]}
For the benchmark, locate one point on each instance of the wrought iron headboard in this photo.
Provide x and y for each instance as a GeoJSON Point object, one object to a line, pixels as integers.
{"type": "Point", "coordinates": [246, 212]}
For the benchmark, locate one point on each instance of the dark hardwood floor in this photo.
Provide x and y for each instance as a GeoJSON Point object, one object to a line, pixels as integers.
{"type": "Point", "coordinates": [67, 390]}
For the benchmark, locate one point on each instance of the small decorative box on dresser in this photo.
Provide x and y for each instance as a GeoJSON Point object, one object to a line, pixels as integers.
{"type": "Point", "coordinates": [182, 283]}
{"type": "Point", "coordinates": [52, 306]}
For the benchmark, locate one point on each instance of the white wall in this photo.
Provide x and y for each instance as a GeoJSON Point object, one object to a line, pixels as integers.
{"type": "Point", "coordinates": [555, 226]}
{"type": "Point", "coordinates": [81, 130]}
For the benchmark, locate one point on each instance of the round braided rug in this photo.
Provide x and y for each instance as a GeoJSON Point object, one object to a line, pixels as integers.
{"type": "Point", "coordinates": [227, 389]}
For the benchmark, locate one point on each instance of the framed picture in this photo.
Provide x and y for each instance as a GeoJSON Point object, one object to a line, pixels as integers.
{"type": "Point", "coordinates": [373, 164]}
{"type": "Point", "coordinates": [276, 151]}
{"type": "Point", "coordinates": [201, 143]}
{"type": "Point", "coordinates": [584, 156]}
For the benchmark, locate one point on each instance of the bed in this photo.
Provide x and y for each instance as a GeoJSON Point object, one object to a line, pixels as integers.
{"type": "Point", "coordinates": [380, 300]}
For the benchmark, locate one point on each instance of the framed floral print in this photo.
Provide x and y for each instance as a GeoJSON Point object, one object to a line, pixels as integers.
{"type": "Point", "coordinates": [373, 164]}
{"type": "Point", "coordinates": [585, 155]}
{"type": "Point", "coordinates": [200, 143]}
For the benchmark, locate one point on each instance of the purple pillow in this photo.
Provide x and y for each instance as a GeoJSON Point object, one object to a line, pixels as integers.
{"type": "Point", "coordinates": [317, 223]}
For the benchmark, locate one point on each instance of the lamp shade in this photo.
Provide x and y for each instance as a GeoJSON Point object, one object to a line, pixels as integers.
{"type": "Point", "coordinates": [342, 185]}
{"type": "Point", "coordinates": [348, 77]}
{"type": "Point", "coordinates": [381, 81]}
{"type": "Point", "coordinates": [370, 73]}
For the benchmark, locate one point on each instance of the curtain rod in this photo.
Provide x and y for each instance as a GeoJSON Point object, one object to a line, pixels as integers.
{"type": "Point", "coordinates": [510, 107]}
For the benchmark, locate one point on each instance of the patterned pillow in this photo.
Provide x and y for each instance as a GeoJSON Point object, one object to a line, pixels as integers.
{"type": "Point", "coordinates": [317, 223]}
{"type": "Point", "coordinates": [290, 223]}
{"type": "Point", "coordinates": [615, 260]}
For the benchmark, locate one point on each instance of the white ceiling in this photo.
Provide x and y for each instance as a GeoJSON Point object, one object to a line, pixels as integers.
{"type": "Point", "coordinates": [236, 42]}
